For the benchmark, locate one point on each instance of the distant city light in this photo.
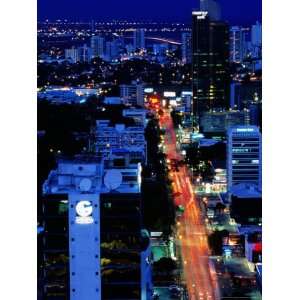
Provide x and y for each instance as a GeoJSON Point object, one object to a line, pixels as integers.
{"type": "Point", "coordinates": [169, 94]}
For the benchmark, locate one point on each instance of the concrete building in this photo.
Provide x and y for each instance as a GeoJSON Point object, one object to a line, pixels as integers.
{"type": "Point", "coordinates": [139, 39]}
{"type": "Point", "coordinates": [256, 34]}
{"type": "Point", "coordinates": [244, 157]}
{"type": "Point", "coordinates": [186, 100]}
{"type": "Point", "coordinates": [112, 50]}
{"type": "Point", "coordinates": [93, 247]}
{"type": "Point", "coordinates": [138, 114]}
{"type": "Point", "coordinates": [85, 54]}
{"type": "Point", "coordinates": [238, 44]}
{"type": "Point", "coordinates": [218, 122]}
{"type": "Point", "coordinates": [98, 46]}
{"type": "Point", "coordinates": [72, 55]}
{"type": "Point", "coordinates": [133, 93]}
{"type": "Point", "coordinates": [256, 40]}
{"type": "Point", "coordinates": [109, 139]}
{"type": "Point", "coordinates": [186, 48]}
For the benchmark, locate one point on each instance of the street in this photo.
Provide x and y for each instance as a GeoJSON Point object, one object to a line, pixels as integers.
{"type": "Point", "coordinates": [191, 232]}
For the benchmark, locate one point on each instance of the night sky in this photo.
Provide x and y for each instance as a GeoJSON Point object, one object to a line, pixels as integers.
{"type": "Point", "coordinates": [234, 11]}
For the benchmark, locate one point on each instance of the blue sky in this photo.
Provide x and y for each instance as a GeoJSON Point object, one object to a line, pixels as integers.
{"type": "Point", "coordinates": [234, 11]}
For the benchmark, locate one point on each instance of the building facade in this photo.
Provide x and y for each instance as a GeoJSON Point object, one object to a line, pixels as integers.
{"type": "Point", "coordinates": [210, 66]}
{"type": "Point", "coordinates": [219, 122]}
{"type": "Point", "coordinates": [139, 39]}
{"type": "Point", "coordinates": [72, 55]}
{"type": "Point", "coordinates": [92, 245]}
{"type": "Point", "coordinates": [244, 156]}
{"type": "Point", "coordinates": [98, 46]}
{"type": "Point", "coordinates": [133, 93]}
{"type": "Point", "coordinates": [238, 44]}
{"type": "Point", "coordinates": [109, 139]}
{"type": "Point", "coordinates": [186, 49]}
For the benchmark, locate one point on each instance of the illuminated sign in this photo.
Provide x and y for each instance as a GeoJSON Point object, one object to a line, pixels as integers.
{"type": "Point", "coordinates": [169, 94]}
{"type": "Point", "coordinates": [84, 210]}
{"type": "Point", "coordinates": [187, 93]}
{"type": "Point", "coordinates": [244, 129]}
{"type": "Point", "coordinates": [201, 15]}
{"type": "Point", "coordinates": [196, 136]}
{"type": "Point", "coordinates": [148, 90]}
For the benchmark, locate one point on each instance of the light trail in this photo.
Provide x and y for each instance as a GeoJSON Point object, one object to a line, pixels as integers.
{"type": "Point", "coordinates": [192, 231]}
{"type": "Point", "coordinates": [164, 40]}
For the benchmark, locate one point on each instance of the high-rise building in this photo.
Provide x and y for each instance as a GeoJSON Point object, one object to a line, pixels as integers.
{"type": "Point", "coordinates": [93, 247]}
{"type": "Point", "coordinates": [186, 99]}
{"type": "Point", "coordinates": [133, 93]}
{"type": "Point", "coordinates": [256, 34]}
{"type": "Point", "coordinates": [210, 66]}
{"type": "Point", "coordinates": [238, 44]}
{"type": "Point", "coordinates": [244, 156]}
{"type": "Point", "coordinates": [85, 53]}
{"type": "Point", "coordinates": [92, 26]}
{"type": "Point", "coordinates": [139, 38]}
{"type": "Point", "coordinates": [256, 40]}
{"type": "Point", "coordinates": [72, 55]}
{"type": "Point", "coordinates": [98, 46]}
{"type": "Point", "coordinates": [186, 50]}
{"type": "Point", "coordinates": [112, 50]}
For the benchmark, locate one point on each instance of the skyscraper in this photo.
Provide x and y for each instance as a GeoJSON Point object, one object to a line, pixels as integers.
{"type": "Point", "coordinates": [139, 38]}
{"type": "Point", "coordinates": [244, 157]}
{"type": "Point", "coordinates": [256, 40]}
{"type": "Point", "coordinates": [256, 34]}
{"type": "Point", "coordinates": [210, 42]}
{"type": "Point", "coordinates": [186, 39]}
{"type": "Point", "coordinates": [92, 245]}
{"type": "Point", "coordinates": [238, 45]}
{"type": "Point", "coordinates": [98, 46]}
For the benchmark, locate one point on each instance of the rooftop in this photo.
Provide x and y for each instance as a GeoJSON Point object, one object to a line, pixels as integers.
{"type": "Point", "coordinates": [246, 190]}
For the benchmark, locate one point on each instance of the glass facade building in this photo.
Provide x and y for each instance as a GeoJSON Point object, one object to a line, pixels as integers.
{"type": "Point", "coordinates": [210, 64]}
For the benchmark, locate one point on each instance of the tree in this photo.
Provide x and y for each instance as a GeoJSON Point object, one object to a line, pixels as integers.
{"type": "Point", "coordinates": [165, 264]}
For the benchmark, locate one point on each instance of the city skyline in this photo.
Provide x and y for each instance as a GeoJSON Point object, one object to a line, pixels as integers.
{"type": "Point", "coordinates": [145, 192]}
{"type": "Point", "coordinates": [244, 12]}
